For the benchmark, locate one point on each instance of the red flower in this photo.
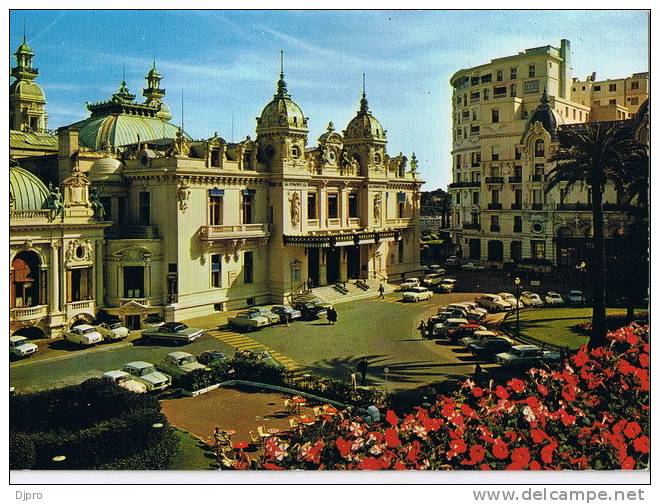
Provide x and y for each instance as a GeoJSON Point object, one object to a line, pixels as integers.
{"type": "Point", "coordinates": [448, 409]}
{"type": "Point", "coordinates": [391, 418]}
{"type": "Point", "coordinates": [543, 390]}
{"type": "Point", "coordinates": [580, 358]}
{"type": "Point", "coordinates": [547, 452]}
{"type": "Point", "coordinates": [538, 435]}
{"type": "Point", "coordinates": [535, 466]}
{"type": "Point", "coordinates": [272, 467]}
{"type": "Point", "coordinates": [516, 384]}
{"type": "Point", "coordinates": [477, 454]}
{"type": "Point", "coordinates": [628, 463]}
{"type": "Point", "coordinates": [642, 444]}
{"type": "Point", "coordinates": [456, 447]}
{"type": "Point", "coordinates": [477, 391]}
{"type": "Point", "coordinates": [413, 452]}
{"type": "Point", "coordinates": [392, 438]}
{"type": "Point", "coordinates": [343, 446]}
{"type": "Point", "coordinates": [399, 466]}
{"type": "Point", "coordinates": [468, 411]}
{"type": "Point", "coordinates": [644, 360]}
{"type": "Point", "coordinates": [520, 457]}
{"type": "Point", "coordinates": [501, 392]}
{"type": "Point", "coordinates": [632, 430]}
{"type": "Point", "coordinates": [500, 449]}
{"type": "Point", "coordinates": [568, 393]}
{"type": "Point", "coordinates": [566, 418]}
{"type": "Point", "coordinates": [369, 464]}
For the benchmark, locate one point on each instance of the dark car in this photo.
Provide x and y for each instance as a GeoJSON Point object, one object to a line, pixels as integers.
{"type": "Point", "coordinates": [488, 348]}
{"type": "Point", "coordinates": [310, 311]}
{"type": "Point", "coordinates": [212, 357]}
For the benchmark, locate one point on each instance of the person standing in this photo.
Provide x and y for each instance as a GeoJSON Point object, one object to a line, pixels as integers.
{"type": "Point", "coordinates": [332, 316]}
{"type": "Point", "coordinates": [310, 284]}
{"type": "Point", "coordinates": [381, 291]}
{"type": "Point", "coordinates": [422, 329]}
{"type": "Point", "coordinates": [362, 367]}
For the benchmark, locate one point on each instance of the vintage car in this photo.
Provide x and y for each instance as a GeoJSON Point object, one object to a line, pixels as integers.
{"type": "Point", "coordinates": [146, 373]}
{"type": "Point", "coordinates": [310, 310]}
{"type": "Point", "coordinates": [175, 332]}
{"type": "Point", "coordinates": [273, 318]}
{"type": "Point", "coordinates": [112, 331]}
{"type": "Point", "coordinates": [493, 303]}
{"type": "Point", "coordinates": [259, 355]}
{"type": "Point", "coordinates": [576, 298]}
{"type": "Point", "coordinates": [507, 297]}
{"type": "Point", "coordinates": [530, 299]}
{"type": "Point", "coordinates": [248, 321]}
{"type": "Point", "coordinates": [553, 299]}
{"type": "Point", "coordinates": [445, 329]}
{"type": "Point", "coordinates": [488, 348]}
{"type": "Point", "coordinates": [465, 331]}
{"type": "Point", "coordinates": [472, 267]}
{"type": "Point", "coordinates": [83, 335]}
{"type": "Point", "coordinates": [447, 285]}
{"type": "Point", "coordinates": [286, 313]}
{"type": "Point", "coordinates": [477, 336]}
{"type": "Point", "coordinates": [212, 357]}
{"type": "Point", "coordinates": [20, 346]}
{"type": "Point", "coordinates": [432, 279]}
{"type": "Point", "coordinates": [125, 381]}
{"type": "Point", "coordinates": [417, 294]}
{"type": "Point", "coordinates": [177, 364]}
{"type": "Point", "coordinates": [408, 284]}
{"type": "Point", "coordinates": [526, 356]}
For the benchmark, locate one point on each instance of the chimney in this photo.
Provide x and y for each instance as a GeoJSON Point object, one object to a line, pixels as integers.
{"type": "Point", "coordinates": [593, 77]}
{"type": "Point", "coordinates": [565, 72]}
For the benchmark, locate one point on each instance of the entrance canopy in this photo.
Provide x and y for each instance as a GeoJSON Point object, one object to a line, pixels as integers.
{"type": "Point", "coordinates": [340, 239]}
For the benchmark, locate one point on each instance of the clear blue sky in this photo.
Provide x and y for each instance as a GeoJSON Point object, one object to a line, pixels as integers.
{"type": "Point", "coordinates": [227, 63]}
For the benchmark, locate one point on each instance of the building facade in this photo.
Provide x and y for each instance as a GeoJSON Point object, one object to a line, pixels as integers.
{"type": "Point", "coordinates": [189, 227]}
{"type": "Point", "coordinates": [506, 115]}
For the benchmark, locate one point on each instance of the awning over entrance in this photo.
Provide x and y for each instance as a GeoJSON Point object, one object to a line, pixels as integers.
{"type": "Point", "coordinates": [340, 239]}
{"type": "Point", "coordinates": [132, 308]}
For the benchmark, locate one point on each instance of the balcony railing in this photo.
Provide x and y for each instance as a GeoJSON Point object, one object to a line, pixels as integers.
{"type": "Point", "coordinates": [494, 206]}
{"type": "Point", "coordinates": [494, 180]}
{"type": "Point", "coordinates": [146, 301]}
{"type": "Point", "coordinates": [472, 225]}
{"type": "Point", "coordinates": [399, 222]}
{"type": "Point", "coordinates": [495, 228]}
{"type": "Point", "coordinates": [29, 214]}
{"type": "Point", "coordinates": [313, 222]}
{"type": "Point", "coordinates": [207, 233]}
{"type": "Point", "coordinates": [516, 206]}
{"type": "Point", "coordinates": [76, 307]}
{"type": "Point", "coordinates": [456, 185]}
{"type": "Point", "coordinates": [26, 313]}
{"type": "Point", "coordinates": [515, 180]}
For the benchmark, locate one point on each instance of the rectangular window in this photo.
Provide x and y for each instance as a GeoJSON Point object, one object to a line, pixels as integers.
{"type": "Point", "coordinates": [475, 115]}
{"type": "Point", "coordinates": [532, 86]}
{"type": "Point", "coordinates": [495, 223]}
{"type": "Point", "coordinates": [474, 130]}
{"type": "Point", "coordinates": [353, 205]}
{"type": "Point", "coordinates": [486, 94]}
{"type": "Point", "coordinates": [474, 96]}
{"type": "Point", "coordinates": [248, 267]}
{"type": "Point", "coordinates": [537, 197]}
{"type": "Point", "coordinates": [634, 101]}
{"type": "Point", "coordinates": [475, 198]}
{"type": "Point", "coordinates": [495, 115]}
{"type": "Point", "coordinates": [517, 224]}
{"type": "Point", "coordinates": [517, 154]}
{"type": "Point", "coordinates": [333, 208]}
{"type": "Point", "coordinates": [458, 161]}
{"type": "Point", "coordinates": [495, 156]}
{"type": "Point", "coordinates": [466, 114]}
{"type": "Point", "coordinates": [499, 91]}
{"type": "Point", "coordinates": [133, 281]}
{"type": "Point", "coordinates": [458, 198]}
{"type": "Point", "coordinates": [495, 196]}
{"type": "Point", "coordinates": [215, 158]}
{"type": "Point", "coordinates": [538, 169]}
{"type": "Point", "coordinates": [596, 88]}
{"type": "Point", "coordinates": [634, 85]}
{"type": "Point", "coordinates": [517, 171]}
{"type": "Point", "coordinates": [215, 207]}
{"type": "Point", "coordinates": [145, 208]}
{"type": "Point", "coordinates": [612, 87]}
{"type": "Point", "coordinates": [248, 206]}
{"type": "Point", "coordinates": [78, 284]}
{"type": "Point", "coordinates": [499, 75]}
{"type": "Point", "coordinates": [514, 73]}
{"type": "Point", "coordinates": [486, 78]}
{"type": "Point", "coordinates": [538, 249]}
{"type": "Point", "coordinates": [247, 161]}
{"type": "Point", "coordinates": [518, 197]}
{"type": "Point", "coordinates": [475, 158]}
{"type": "Point", "coordinates": [311, 205]}
{"type": "Point", "coordinates": [216, 270]}
{"type": "Point", "coordinates": [474, 81]}
{"type": "Point", "coordinates": [532, 71]}
{"type": "Point", "coordinates": [400, 251]}
{"type": "Point", "coordinates": [613, 101]}
{"type": "Point", "coordinates": [401, 204]}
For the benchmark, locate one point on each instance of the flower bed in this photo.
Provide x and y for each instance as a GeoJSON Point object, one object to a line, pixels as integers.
{"type": "Point", "coordinates": [613, 322]}
{"type": "Point", "coordinates": [590, 413]}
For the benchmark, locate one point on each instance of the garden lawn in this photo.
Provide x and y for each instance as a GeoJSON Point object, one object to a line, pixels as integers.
{"type": "Point", "coordinates": [193, 454]}
{"type": "Point", "coordinates": [556, 325]}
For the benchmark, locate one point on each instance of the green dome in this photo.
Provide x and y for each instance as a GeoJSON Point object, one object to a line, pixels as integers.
{"type": "Point", "coordinates": [27, 90]}
{"type": "Point", "coordinates": [282, 112]}
{"type": "Point", "coordinates": [26, 191]}
{"type": "Point", "coordinates": [24, 48]}
{"type": "Point", "coordinates": [118, 130]}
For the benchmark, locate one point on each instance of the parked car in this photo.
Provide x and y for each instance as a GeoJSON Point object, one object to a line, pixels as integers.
{"type": "Point", "coordinates": [258, 354]}
{"type": "Point", "coordinates": [153, 320]}
{"type": "Point", "coordinates": [248, 321]}
{"type": "Point", "coordinates": [177, 364]}
{"type": "Point", "coordinates": [125, 381]}
{"type": "Point", "coordinates": [146, 373]}
{"type": "Point", "coordinates": [445, 329]}
{"type": "Point", "coordinates": [476, 337]}
{"type": "Point", "coordinates": [112, 331]}
{"type": "Point", "coordinates": [310, 311]}
{"type": "Point", "coordinates": [474, 307]}
{"type": "Point", "coordinates": [493, 303]}
{"type": "Point", "coordinates": [472, 267]}
{"type": "Point", "coordinates": [212, 357]}
{"type": "Point", "coordinates": [173, 331]}
{"type": "Point", "coordinates": [432, 279]}
{"type": "Point", "coordinates": [417, 294]}
{"type": "Point", "coordinates": [436, 268]}
{"type": "Point", "coordinates": [487, 349]}
{"type": "Point", "coordinates": [553, 299]}
{"type": "Point", "coordinates": [452, 261]}
{"type": "Point", "coordinates": [507, 297]}
{"type": "Point", "coordinates": [576, 298]}
{"type": "Point", "coordinates": [447, 285]}
{"type": "Point", "coordinates": [530, 299]}
{"type": "Point", "coordinates": [20, 346]}
{"type": "Point", "coordinates": [83, 335]}
{"type": "Point", "coordinates": [273, 318]}
{"type": "Point", "coordinates": [526, 356]}
{"type": "Point", "coordinates": [286, 313]}
{"type": "Point", "coordinates": [409, 283]}
{"type": "Point", "coordinates": [465, 331]}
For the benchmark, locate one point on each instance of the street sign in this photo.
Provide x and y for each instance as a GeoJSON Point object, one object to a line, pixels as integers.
{"type": "Point", "coordinates": [535, 283]}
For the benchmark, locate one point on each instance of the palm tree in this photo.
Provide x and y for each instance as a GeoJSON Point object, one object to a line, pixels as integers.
{"type": "Point", "coordinates": [595, 154]}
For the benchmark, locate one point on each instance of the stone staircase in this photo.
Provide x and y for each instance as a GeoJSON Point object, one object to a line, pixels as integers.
{"type": "Point", "coordinates": [333, 296]}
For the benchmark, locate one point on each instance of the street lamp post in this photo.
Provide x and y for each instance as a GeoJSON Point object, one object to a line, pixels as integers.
{"type": "Point", "coordinates": [582, 267]}
{"type": "Point", "coordinates": [517, 282]}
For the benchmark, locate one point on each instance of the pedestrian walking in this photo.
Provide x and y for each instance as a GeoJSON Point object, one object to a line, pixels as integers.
{"type": "Point", "coordinates": [310, 284]}
{"type": "Point", "coordinates": [362, 367]}
{"type": "Point", "coordinates": [332, 316]}
{"type": "Point", "coordinates": [422, 329]}
{"type": "Point", "coordinates": [381, 291]}
{"type": "Point", "coordinates": [429, 327]}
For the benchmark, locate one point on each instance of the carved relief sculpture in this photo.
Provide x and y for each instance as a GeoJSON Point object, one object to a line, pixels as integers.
{"type": "Point", "coordinates": [378, 199]}
{"type": "Point", "coordinates": [294, 208]}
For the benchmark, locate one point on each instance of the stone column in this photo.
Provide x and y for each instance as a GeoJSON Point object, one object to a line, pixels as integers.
{"type": "Point", "coordinates": [54, 294]}
{"type": "Point", "coordinates": [98, 268]}
{"type": "Point", "coordinates": [147, 277]}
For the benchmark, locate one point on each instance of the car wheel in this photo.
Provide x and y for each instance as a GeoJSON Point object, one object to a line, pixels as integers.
{"type": "Point", "coordinates": [146, 339]}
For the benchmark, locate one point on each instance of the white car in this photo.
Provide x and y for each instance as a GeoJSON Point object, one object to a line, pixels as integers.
{"type": "Point", "coordinates": [472, 267]}
{"type": "Point", "coordinates": [576, 298]}
{"type": "Point", "coordinates": [417, 294]}
{"type": "Point", "coordinates": [477, 336]}
{"type": "Point", "coordinates": [526, 356]}
{"type": "Point", "coordinates": [530, 299]}
{"type": "Point", "coordinates": [432, 279]}
{"type": "Point", "coordinates": [146, 373]}
{"type": "Point", "coordinates": [112, 331]}
{"type": "Point", "coordinates": [20, 346]}
{"type": "Point", "coordinates": [436, 268]}
{"type": "Point", "coordinates": [493, 303]}
{"type": "Point", "coordinates": [507, 297]}
{"type": "Point", "coordinates": [409, 284]}
{"type": "Point", "coordinates": [447, 285]}
{"type": "Point", "coordinates": [125, 381]}
{"type": "Point", "coordinates": [474, 308]}
{"type": "Point", "coordinates": [83, 335]}
{"type": "Point", "coordinates": [448, 326]}
{"type": "Point", "coordinates": [553, 299]}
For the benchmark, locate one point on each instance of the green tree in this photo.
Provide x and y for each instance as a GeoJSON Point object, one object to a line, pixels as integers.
{"type": "Point", "coordinates": [594, 154]}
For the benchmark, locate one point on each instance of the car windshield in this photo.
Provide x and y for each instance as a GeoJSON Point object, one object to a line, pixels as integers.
{"type": "Point", "coordinates": [19, 343]}
{"type": "Point", "coordinates": [146, 370]}
{"type": "Point", "coordinates": [121, 379]}
{"type": "Point", "coordinates": [114, 325]}
{"type": "Point", "coordinates": [87, 331]}
{"type": "Point", "coordinates": [186, 360]}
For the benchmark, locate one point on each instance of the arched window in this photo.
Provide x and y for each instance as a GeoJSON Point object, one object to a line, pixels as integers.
{"type": "Point", "coordinates": [539, 148]}
{"type": "Point", "coordinates": [295, 152]}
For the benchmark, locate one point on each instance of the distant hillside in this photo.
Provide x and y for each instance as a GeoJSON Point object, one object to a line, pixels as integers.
{"type": "Point", "coordinates": [435, 202]}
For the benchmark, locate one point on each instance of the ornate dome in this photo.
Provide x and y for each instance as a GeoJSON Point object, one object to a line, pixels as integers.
{"type": "Point", "coordinates": [364, 125]}
{"type": "Point", "coordinates": [548, 117]}
{"type": "Point", "coordinates": [27, 90]}
{"type": "Point", "coordinates": [26, 191]}
{"type": "Point", "coordinates": [282, 111]}
{"type": "Point", "coordinates": [106, 169]}
{"type": "Point", "coordinates": [330, 136]}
